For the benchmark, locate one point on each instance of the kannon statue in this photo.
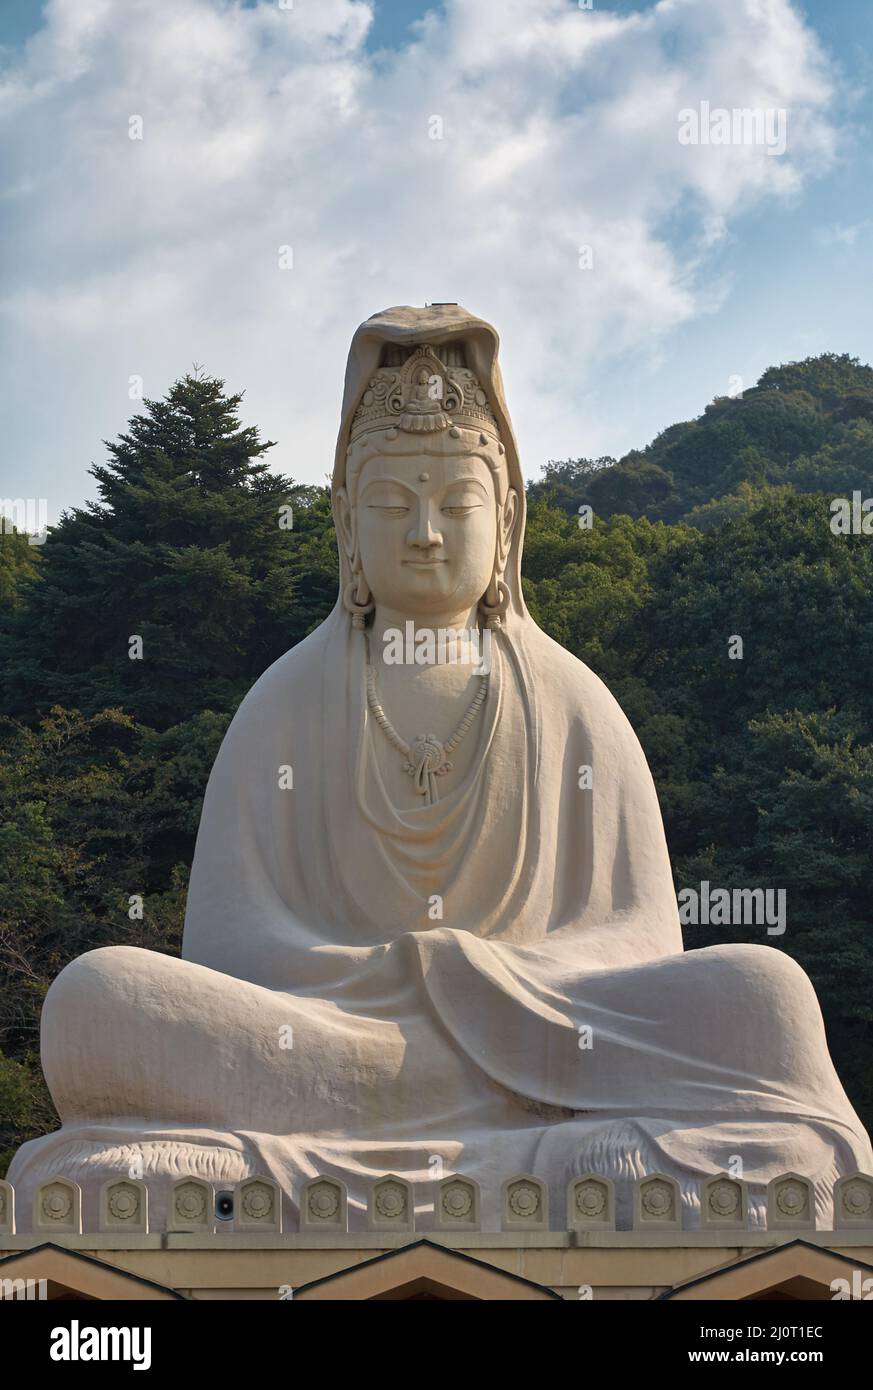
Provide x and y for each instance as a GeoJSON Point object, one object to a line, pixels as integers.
{"type": "Point", "coordinates": [407, 908]}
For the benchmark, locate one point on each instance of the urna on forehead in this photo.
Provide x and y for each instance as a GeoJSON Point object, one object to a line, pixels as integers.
{"type": "Point", "coordinates": [424, 401]}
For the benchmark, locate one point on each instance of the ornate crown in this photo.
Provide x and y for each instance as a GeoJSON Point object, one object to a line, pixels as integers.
{"type": "Point", "coordinates": [427, 391]}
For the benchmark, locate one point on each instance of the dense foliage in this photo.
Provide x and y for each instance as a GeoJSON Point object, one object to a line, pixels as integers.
{"type": "Point", "coordinates": [720, 529]}
{"type": "Point", "coordinates": [805, 427]}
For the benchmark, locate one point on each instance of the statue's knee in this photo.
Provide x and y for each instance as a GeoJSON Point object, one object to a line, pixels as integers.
{"type": "Point", "coordinates": [768, 968]}
{"type": "Point", "coordinates": [761, 982]}
{"type": "Point", "coordinates": [87, 992]}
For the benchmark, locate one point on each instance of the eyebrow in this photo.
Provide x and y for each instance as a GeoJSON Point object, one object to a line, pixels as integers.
{"type": "Point", "coordinates": [398, 482]}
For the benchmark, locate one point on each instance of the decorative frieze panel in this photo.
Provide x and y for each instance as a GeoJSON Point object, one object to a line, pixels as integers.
{"type": "Point", "coordinates": [853, 1201]}
{"type": "Point", "coordinates": [723, 1204]}
{"type": "Point", "coordinates": [391, 1206]}
{"type": "Point", "coordinates": [324, 1205]}
{"type": "Point", "coordinates": [124, 1205]}
{"type": "Point", "coordinates": [525, 1204]}
{"type": "Point", "coordinates": [657, 1203]}
{"type": "Point", "coordinates": [191, 1206]}
{"type": "Point", "coordinates": [7, 1209]}
{"type": "Point", "coordinates": [591, 1204]}
{"type": "Point", "coordinates": [790, 1203]}
{"type": "Point", "coordinates": [456, 1204]}
{"type": "Point", "coordinates": [57, 1206]}
{"type": "Point", "coordinates": [258, 1205]}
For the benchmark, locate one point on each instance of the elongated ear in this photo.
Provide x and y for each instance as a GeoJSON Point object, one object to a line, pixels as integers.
{"type": "Point", "coordinates": [495, 600]}
{"type": "Point", "coordinates": [345, 525]}
{"type": "Point", "coordinates": [357, 599]}
{"type": "Point", "coordinates": [506, 520]}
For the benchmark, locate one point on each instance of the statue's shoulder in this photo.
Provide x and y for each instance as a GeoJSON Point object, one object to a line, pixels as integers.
{"type": "Point", "coordinates": [567, 683]}
{"type": "Point", "coordinates": [557, 667]}
{"type": "Point", "coordinates": [293, 679]}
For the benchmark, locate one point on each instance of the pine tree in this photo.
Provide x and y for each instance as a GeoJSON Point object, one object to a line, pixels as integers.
{"type": "Point", "coordinates": [187, 549]}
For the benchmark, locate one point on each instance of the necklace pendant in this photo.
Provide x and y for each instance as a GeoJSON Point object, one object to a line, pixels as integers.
{"type": "Point", "coordinates": [427, 759]}
{"type": "Point", "coordinates": [427, 749]}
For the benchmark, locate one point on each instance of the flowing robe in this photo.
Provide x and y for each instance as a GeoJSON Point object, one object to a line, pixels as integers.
{"type": "Point", "coordinates": [441, 970]}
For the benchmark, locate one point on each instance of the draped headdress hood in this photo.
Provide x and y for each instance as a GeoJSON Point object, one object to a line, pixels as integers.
{"type": "Point", "coordinates": [437, 325]}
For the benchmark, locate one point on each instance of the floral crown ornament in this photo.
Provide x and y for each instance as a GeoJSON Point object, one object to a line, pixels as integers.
{"type": "Point", "coordinates": [425, 393]}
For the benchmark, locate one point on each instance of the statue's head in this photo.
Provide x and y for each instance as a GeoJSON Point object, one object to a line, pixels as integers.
{"type": "Point", "coordinates": [426, 514]}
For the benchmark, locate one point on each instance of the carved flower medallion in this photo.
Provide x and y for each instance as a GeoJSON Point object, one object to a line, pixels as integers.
{"type": "Point", "coordinates": [258, 1202]}
{"type": "Point", "coordinates": [791, 1199]}
{"type": "Point", "coordinates": [858, 1198]}
{"type": "Point", "coordinates": [724, 1199]}
{"type": "Point", "coordinates": [391, 1201]}
{"type": "Point", "coordinates": [323, 1201]}
{"type": "Point", "coordinates": [190, 1203]}
{"type": "Point", "coordinates": [591, 1200]}
{"type": "Point", "coordinates": [124, 1203]}
{"type": "Point", "coordinates": [657, 1199]}
{"type": "Point", "coordinates": [524, 1200]}
{"type": "Point", "coordinates": [457, 1200]}
{"type": "Point", "coordinates": [57, 1204]}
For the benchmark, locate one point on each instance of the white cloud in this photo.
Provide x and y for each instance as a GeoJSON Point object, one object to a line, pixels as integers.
{"type": "Point", "coordinates": [841, 235]}
{"type": "Point", "coordinates": [266, 127]}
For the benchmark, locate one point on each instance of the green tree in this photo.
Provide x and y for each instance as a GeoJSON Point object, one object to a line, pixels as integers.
{"type": "Point", "coordinates": [18, 562]}
{"type": "Point", "coordinates": [763, 764]}
{"type": "Point", "coordinates": [184, 550]}
{"type": "Point", "coordinates": [805, 425]}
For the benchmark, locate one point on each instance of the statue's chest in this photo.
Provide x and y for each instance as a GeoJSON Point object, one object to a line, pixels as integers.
{"type": "Point", "coordinates": [425, 730]}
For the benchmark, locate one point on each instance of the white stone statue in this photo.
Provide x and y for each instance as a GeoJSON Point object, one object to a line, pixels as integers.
{"type": "Point", "coordinates": [405, 912]}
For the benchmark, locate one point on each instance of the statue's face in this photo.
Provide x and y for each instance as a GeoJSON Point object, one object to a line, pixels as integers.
{"type": "Point", "coordinates": [427, 525]}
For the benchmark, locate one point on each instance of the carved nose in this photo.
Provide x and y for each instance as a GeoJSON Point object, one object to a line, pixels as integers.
{"type": "Point", "coordinates": [423, 534]}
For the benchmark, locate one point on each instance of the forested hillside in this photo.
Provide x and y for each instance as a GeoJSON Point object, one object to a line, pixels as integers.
{"type": "Point", "coordinates": [719, 529]}
{"type": "Point", "coordinates": [805, 427]}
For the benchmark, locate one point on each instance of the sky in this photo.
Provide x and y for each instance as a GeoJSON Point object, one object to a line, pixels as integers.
{"type": "Point", "coordinates": [521, 157]}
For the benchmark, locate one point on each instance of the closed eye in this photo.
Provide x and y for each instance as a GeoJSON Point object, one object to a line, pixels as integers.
{"type": "Point", "coordinates": [461, 511]}
{"type": "Point", "coordinates": [389, 511]}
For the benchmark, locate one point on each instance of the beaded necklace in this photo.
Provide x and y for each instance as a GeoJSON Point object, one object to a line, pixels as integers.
{"type": "Point", "coordinates": [426, 758]}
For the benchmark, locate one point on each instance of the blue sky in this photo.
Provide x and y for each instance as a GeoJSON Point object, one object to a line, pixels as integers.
{"type": "Point", "coordinates": [109, 271]}
{"type": "Point", "coordinates": [796, 291]}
